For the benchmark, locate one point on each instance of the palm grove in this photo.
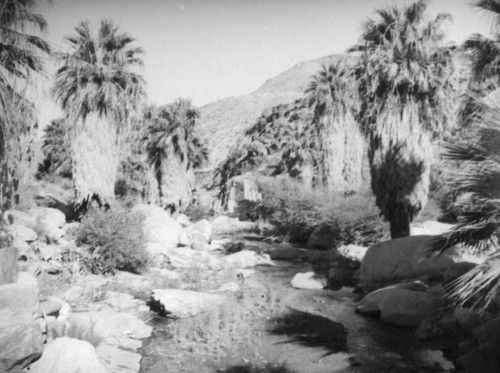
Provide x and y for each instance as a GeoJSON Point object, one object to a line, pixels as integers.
{"type": "Point", "coordinates": [397, 94]}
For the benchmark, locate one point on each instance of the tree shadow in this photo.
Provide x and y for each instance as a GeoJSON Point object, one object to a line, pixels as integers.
{"type": "Point", "coordinates": [311, 331]}
{"type": "Point", "coordinates": [247, 368]}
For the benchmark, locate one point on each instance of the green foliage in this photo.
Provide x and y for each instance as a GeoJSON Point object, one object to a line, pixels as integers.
{"type": "Point", "coordinates": [296, 212]}
{"type": "Point", "coordinates": [114, 239]}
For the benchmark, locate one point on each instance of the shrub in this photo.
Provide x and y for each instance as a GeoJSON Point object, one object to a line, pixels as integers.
{"type": "Point", "coordinates": [114, 240]}
{"type": "Point", "coordinates": [296, 213]}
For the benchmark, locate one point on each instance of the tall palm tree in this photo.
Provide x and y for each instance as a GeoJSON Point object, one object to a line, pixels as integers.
{"type": "Point", "coordinates": [332, 96]}
{"type": "Point", "coordinates": [174, 151]}
{"type": "Point", "coordinates": [403, 80]}
{"type": "Point", "coordinates": [98, 87]}
{"type": "Point", "coordinates": [477, 187]}
{"type": "Point", "coordinates": [21, 58]}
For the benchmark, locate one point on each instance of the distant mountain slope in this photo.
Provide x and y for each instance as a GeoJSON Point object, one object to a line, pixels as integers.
{"type": "Point", "coordinates": [224, 121]}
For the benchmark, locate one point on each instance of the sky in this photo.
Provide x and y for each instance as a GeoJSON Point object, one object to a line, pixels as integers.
{"type": "Point", "coordinates": [205, 50]}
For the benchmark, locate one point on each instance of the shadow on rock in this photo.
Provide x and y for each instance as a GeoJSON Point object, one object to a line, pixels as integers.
{"type": "Point", "coordinates": [311, 331]}
{"type": "Point", "coordinates": [270, 368]}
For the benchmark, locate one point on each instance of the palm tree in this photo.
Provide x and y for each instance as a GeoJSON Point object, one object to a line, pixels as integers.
{"type": "Point", "coordinates": [21, 57]}
{"type": "Point", "coordinates": [477, 187]}
{"type": "Point", "coordinates": [403, 81]}
{"type": "Point", "coordinates": [332, 96]}
{"type": "Point", "coordinates": [98, 88]}
{"type": "Point", "coordinates": [174, 151]}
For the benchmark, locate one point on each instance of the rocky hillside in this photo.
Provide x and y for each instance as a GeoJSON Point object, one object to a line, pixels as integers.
{"type": "Point", "coordinates": [223, 122]}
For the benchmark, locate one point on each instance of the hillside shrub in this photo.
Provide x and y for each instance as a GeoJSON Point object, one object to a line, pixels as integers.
{"type": "Point", "coordinates": [114, 241]}
{"type": "Point", "coordinates": [296, 212]}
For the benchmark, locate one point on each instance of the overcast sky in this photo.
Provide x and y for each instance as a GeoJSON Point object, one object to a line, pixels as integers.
{"type": "Point", "coordinates": [205, 50]}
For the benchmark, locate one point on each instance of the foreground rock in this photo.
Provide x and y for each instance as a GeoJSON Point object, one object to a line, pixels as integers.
{"type": "Point", "coordinates": [20, 347]}
{"type": "Point", "coordinates": [399, 306]}
{"type": "Point", "coordinates": [68, 355]}
{"type": "Point", "coordinates": [308, 281]}
{"type": "Point", "coordinates": [184, 303]}
{"type": "Point", "coordinates": [159, 226]}
{"type": "Point", "coordinates": [401, 259]}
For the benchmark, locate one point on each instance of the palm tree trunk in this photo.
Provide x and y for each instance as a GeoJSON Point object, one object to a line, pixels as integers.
{"type": "Point", "coordinates": [400, 221]}
{"type": "Point", "coordinates": [343, 149]}
{"type": "Point", "coordinates": [177, 182]}
{"type": "Point", "coordinates": [95, 158]}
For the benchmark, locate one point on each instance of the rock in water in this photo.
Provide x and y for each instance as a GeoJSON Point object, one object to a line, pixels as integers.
{"type": "Point", "coordinates": [401, 259]}
{"type": "Point", "coordinates": [68, 355]}
{"type": "Point", "coordinates": [184, 303]}
{"type": "Point", "coordinates": [307, 281]}
{"type": "Point", "coordinates": [247, 259]}
{"type": "Point", "coordinates": [400, 307]}
{"type": "Point", "coordinates": [159, 226]}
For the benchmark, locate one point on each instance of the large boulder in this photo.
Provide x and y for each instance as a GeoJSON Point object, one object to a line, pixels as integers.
{"type": "Point", "coordinates": [49, 222]}
{"type": "Point", "coordinates": [199, 232]}
{"type": "Point", "coordinates": [23, 233]}
{"type": "Point", "coordinates": [184, 303]}
{"type": "Point", "coordinates": [159, 226]}
{"type": "Point", "coordinates": [68, 355]}
{"type": "Point", "coordinates": [399, 306]}
{"type": "Point", "coordinates": [19, 298]}
{"type": "Point", "coordinates": [20, 346]}
{"type": "Point", "coordinates": [324, 237]}
{"type": "Point", "coordinates": [402, 259]}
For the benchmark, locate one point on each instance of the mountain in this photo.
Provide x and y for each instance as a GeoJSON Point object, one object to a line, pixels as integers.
{"type": "Point", "coordinates": [224, 121]}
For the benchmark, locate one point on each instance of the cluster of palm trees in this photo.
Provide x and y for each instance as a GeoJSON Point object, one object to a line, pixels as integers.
{"type": "Point", "coordinates": [102, 93]}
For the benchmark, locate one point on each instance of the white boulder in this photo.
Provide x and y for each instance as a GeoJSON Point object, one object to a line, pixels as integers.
{"type": "Point", "coordinates": [308, 281]}
{"type": "Point", "coordinates": [159, 226]}
{"type": "Point", "coordinates": [185, 303]}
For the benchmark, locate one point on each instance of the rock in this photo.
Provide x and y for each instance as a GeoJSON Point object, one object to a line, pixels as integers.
{"type": "Point", "coordinates": [456, 270]}
{"type": "Point", "coordinates": [157, 254]}
{"type": "Point", "coordinates": [307, 281]}
{"type": "Point", "coordinates": [184, 303]}
{"type": "Point", "coordinates": [489, 332]}
{"type": "Point", "coordinates": [19, 217]}
{"type": "Point", "coordinates": [116, 360]}
{"type": "Point", "coordinates": [443, 325]}
{"type": "Point", "coordinates": [430, 227]}
{"type": "Point", "coordinates": [482, 359]}
{"type": "Point", "coordinates": [8, 265]}
{"type": "Point", "coordinates": [227, 225]}
{"type": "Point", "coordinates": [230, 287]}
{"type": "Point", "coordinates": [247, 259]}
{"type": "Point", "coordinates": [50, 307]}
{"type": "Point", "coordinates": [340, 276]}
{"type": "Point", "coordinates": [183, 220]}
{"type": "Point", "coordinates": [324, 237]}
{"type": "Point", "coordinates": [23, 233]}
{"type": "Point", "coordinates": [109, 327]}
{"type": "Point", "coordinates": [353, 252]}
{"type": "Point", "coordinates": [470, 319]}
{"type": "Point", "coordinates": [20, 346]}
{"type": "Point", "coordinates": [401, 259]}
{"type": "Point", "coordinates": [200, 231]}
{"type": "Point", "coordinates": [48, 223]}
{"type": "Point", "coordinates": [286, 251]}
{"type": "Point", "coordinates": [68, 355]}
{"type": "Point", "coordinates": [159, 226]}
{"type": "Point", "coordinates": [165, 273]}
{"type": "Point", "coordinates": [21, 298]}
{"type": "Point", "coordinates": [183, 257]}
{"type": "Point", "coordinates": [400, 307]}
{"type": "Point", "coordinates": [23, 249]}
{"type": "Point", "coordinates": [124, 302]}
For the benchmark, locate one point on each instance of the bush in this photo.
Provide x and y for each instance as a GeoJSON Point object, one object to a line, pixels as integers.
{"type": "Point", "coordinates": [114, 240]}
{"type": "Point", "coordinates": [296, 213]}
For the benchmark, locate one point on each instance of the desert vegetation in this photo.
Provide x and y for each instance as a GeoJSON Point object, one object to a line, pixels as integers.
{"type": "Point", "coordinates": [117, 193]}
